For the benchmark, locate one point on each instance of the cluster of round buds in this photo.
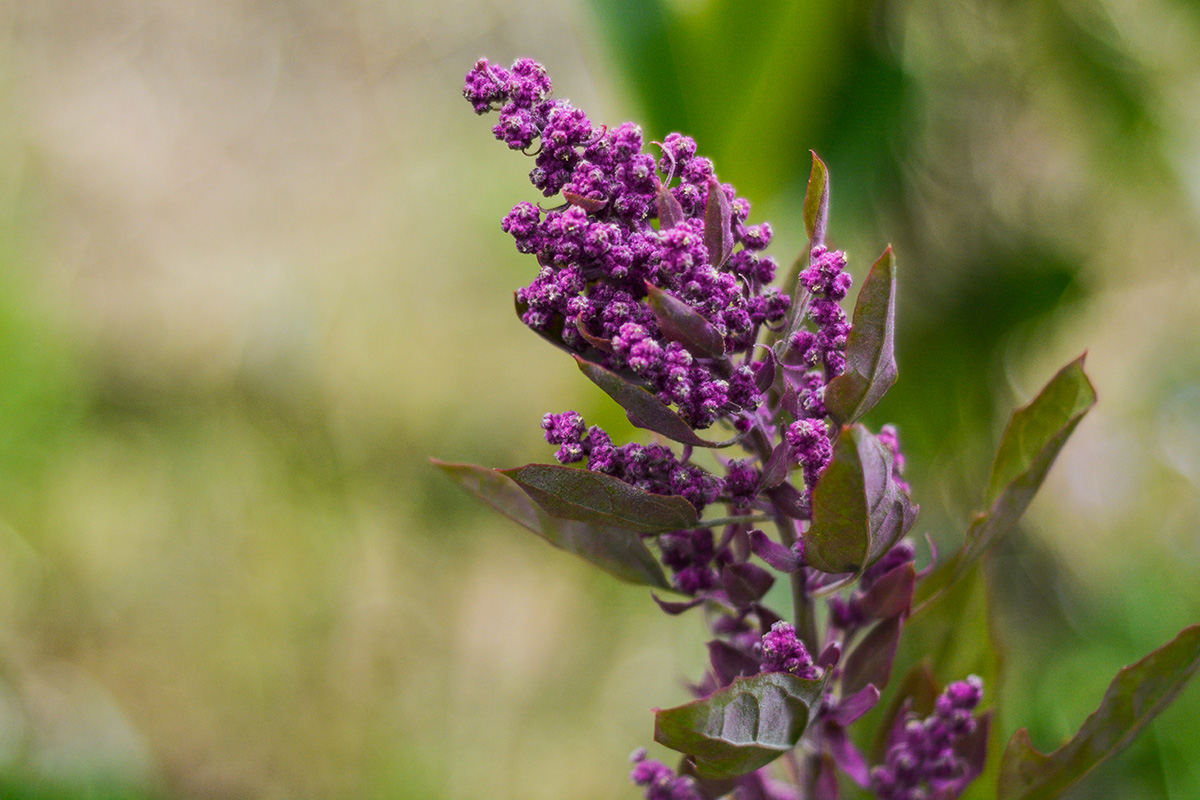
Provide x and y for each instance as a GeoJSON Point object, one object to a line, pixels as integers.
{"type": "Point", "coordinates": [600, 250]}
{"type": "Point", "coordinates": [654, 467]}
{"type": "Point", "coordinates": [659, 780]}
{"type": "Point", "coordinates": [922, 761]}
{"type": "Point", "coordinates": [782, 651]}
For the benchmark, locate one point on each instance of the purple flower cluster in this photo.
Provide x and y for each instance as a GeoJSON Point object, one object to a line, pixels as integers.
{"type": "Point", "coordinates": [654, 468]}
{"type": "Point", "coordinates": [782, 651]}
{"type": "Point", "coordinates": [659, 780]}
{"type": "Point", "coordinates": [599, 251]}
{"type": "Point", "coordinates": [922, 760]}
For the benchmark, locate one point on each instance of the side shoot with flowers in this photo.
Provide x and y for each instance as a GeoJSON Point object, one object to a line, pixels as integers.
{"type": "Point", "coordinates": [652, 277]}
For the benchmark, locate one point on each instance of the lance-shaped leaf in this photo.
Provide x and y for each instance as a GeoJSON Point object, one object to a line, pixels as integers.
{"type": "Point", "coordinates": [718, 224]}
{"type": "Point", "coordinates": [764, 372]}
{"type": "Point", "coordinates": [871, 661]}
{"type": "Point", "coordinates": [891, 595]}
{"type": "Point", "coordinates": [742, 727]}
{"type": "Point", "coordinates": [816, 202]}
{"type": "Point", "coordinates": [858, 510]}
{"type": "Point", "coordinates": [679, 322]}
{"type": "Point", "coordinates": [1135, 697]}
{"type": "Point", "coordinates": [589, 204]}
{"type": "Point", "coordinates": [775, 471]}
{"type": "Point", "coordinates": [585, 496]}
{"type": "Point", "coordinates": [617, 551]}
{"type": "Point", "coordinates": [644, 409]}
{"type": "Point", "coordinates": [670, 212]}
{"type": "Point", "coordinates": [1029, 446]}
{"type": "Point", "coordinates": [870, 352]}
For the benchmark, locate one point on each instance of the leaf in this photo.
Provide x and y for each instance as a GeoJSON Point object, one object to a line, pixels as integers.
{"type": "Point", "coordinates": [618, 551]}
{"type": "Point", "coordinates": [782, 558]}
{"type": "Point", "coordinates": [858, 510]}
{"type": "Point", "coordinates": [816, 202]}
{"type": "Point", "coordinates": [891, 595]}
{"type": "Point", "coordinates": [1028, 448]}
{"type": "Point", "coordinates": [718, 224]}
{"type": "Point", "coordinates": [764, 372]}
{"type": "Point", "coordinates": [584, 496]}
{"type": "Point", "coordinates": [670, 212]}
{"type": "Point", "coordinates": [589, 204]}
{"type": "Point", "coordinates": [745, 583]}
{"type": "Point", "coordinates": [728, 662]}
{"type": "Point", "coordinates": [870, 663]}
{"type": "Point", "coordinates": [742, 727]}
{"type": "Point", "coordinates": [775, 471]}
{"type": "Point", "coordinates": [1137, 695]}
{"type": "Point", "coordinates": [679, 322]}
{"type": "Point", "coordinates": [644, 409]}
{"type": "Point", "coordinates": [870, 351]}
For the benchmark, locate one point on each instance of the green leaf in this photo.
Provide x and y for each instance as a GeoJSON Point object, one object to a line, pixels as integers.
{"type": "Point", "coordinates": [1028, 448]}
{"type": "Point", "coordinates": [1134, 698]}
{"type": "Point", "coordinates": [644, 409]}
{"type": "Point", "coordinates": [870, 352]}
{"type": "Point", "coordinates": [584, 496]}
{"type": "Point", "coordinates": [816, 202]}
{"type": "Point", "coordinates": [679, 322]}
{"type": "Point", "coordinates": [742, 727]}
{"type": "Point", "coordinates": [618, 551]}
{"type": "Point", "coordinates": [858, 510]}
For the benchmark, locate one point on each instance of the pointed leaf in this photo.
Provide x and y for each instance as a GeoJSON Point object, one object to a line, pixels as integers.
{"type": "Point", "coordinates": [742, 727]}
{"type": "Point", "coordinates": [782, 558]}
{"type": "Point", "coordinates": [603, 345]}
{"type": "Point", "coordinates": [870, 353]}
{"type": "Point", "coordinates": [675, 608]}
{"type": "Point", "coordinates": [644, 409]}
{"type": "Point", "coordinates": [718, 224]}
{"type": "Point", "coordinates": [1029, 446]}
{"type": "Point", "coordinates": [589, 204]}
{"type": "Point", "coordinates": [568, 493]}
{"type": "Point", "coordinates": [816, 203]}
{"type": "Point", "coordinates": [764, 372]}
{"type": "Point", "coordinates": [891, 595]}
{"type": "Point", "coordinates": [728, 662]}
{"type": "Point", "coordinates": [1137, 695]}
{"type": "Point", "coordinates": [775, 471]}
{"type": "Point", "coordinates": [670, 213]}
{"type": "Point", "coordinates": [679, 322]}
{"type": "Point", "coordinates": [870, 663]}
{"type": "Point", "coordinates": [746, 583]}
{"type": "Point", "coordinates": [617, 551]}
{"type": "Point", "coordinates": [851, 708]}
{"type": "Point", "coordinates": [858, 510]}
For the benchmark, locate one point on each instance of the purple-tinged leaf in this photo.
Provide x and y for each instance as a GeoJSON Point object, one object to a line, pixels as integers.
{"type": "Point", "coordinates": [779, 556]}
{"type": "Point", "coordinates": [718, 224]}
{"type": "Point", "coordinates": [728, 662]}
{"type": "Point", "coordinates": [670, 213]}
{"type": "Point", "coordinates": [870, 351]}
{"type": "Point", "coordinates": [644, 409]}
{"type": "Point", "coordinates": [973, 749]}
{"type": "Point", "coordinates": [816, 203]}
{"type": "Point", "coordinates": [846, 755]}
{"type": "Point", "coordinates": [830, 656]}
{"type": "Point", "coordinates": [892, 594]}
{"type": "Point", "coordinates": [679, 322]}
{"type": "Point", "coordinates": [745, 583]}
{"type": "Point", "coordinates": [554, 335]}
{"type": "Point", "coordinates": [775, 471]}
{"type": "Point", "coordinates": [589, 204]}
{"type": "Point", "coordinates": [743, 726]}
{"type": "Point", "coordinates": [851, 708]}
{"type": "Point", "coordinates": [858, 510]}
{"type": "Point", "coordinates": [790, 500]}
{"type": "Point", "coordinates": [584, 496]}
{"type": "Point", "coordinates": [603, 345]}
{"type": "Point", "coordinates": [709, 788]}
{"type": "Point", "coordinates": [826, 784]}
{"type": "Point", "coordinates": [789, 401]}
{"type": "Point", "coordinates": [617, 551]}
{"type": "Point", "coordinates": [766, 617]}
{"type": "Point", "coordinates": [871, 661]}
{"type": "Point", "coordinates": [1135, 697]}
{"type": "Point", "coordinates": [676, 608]}
{"type": "Point", "coordinates": [764, 372]}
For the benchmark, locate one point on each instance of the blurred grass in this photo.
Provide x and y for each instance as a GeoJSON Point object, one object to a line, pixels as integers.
{"type": "Point", "coordinates": [251, 277]}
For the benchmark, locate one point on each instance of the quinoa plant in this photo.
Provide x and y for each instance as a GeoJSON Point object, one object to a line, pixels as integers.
{"type": "Point", "coordinates": [651, 276]}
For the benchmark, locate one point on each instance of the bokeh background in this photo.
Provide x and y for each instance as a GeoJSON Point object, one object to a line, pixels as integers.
{"type": "Point", "coordinates": [252, 277]}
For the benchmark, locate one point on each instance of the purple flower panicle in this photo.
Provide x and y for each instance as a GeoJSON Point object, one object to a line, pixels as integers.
{"type": "Point", "coordinates": [659, 780]}
{"type": "Point", "coordinates": [782, 651]}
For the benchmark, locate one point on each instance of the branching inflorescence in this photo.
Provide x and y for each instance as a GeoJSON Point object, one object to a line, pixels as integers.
{"type": "Point", "coordinates": [651, 276]}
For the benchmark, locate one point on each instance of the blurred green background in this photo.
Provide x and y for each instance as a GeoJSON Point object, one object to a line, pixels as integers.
{"type": "Point", "coordinates": [251, 277]}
